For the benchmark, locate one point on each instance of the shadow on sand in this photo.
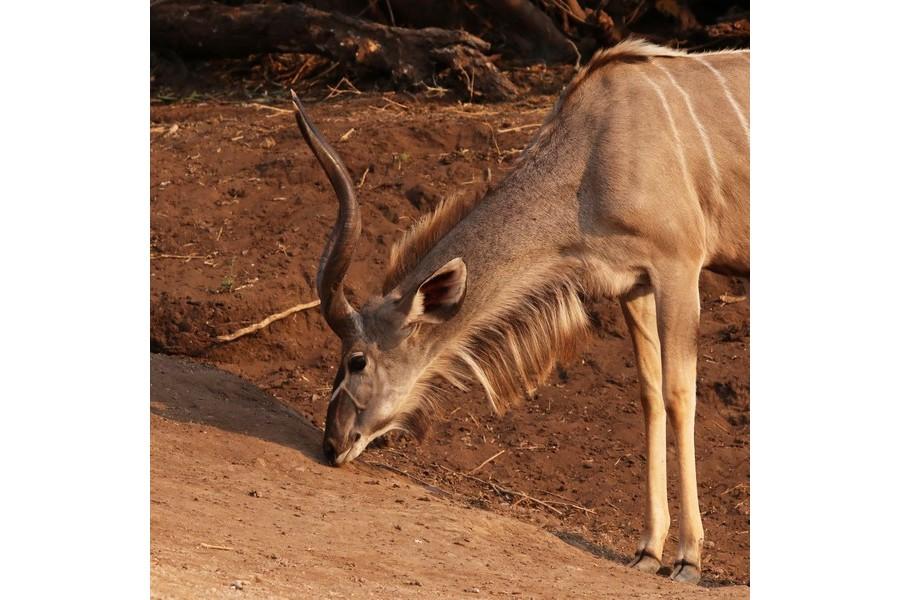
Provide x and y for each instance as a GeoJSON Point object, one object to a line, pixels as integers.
{"type": "Point", "coordinates": [189, 392]}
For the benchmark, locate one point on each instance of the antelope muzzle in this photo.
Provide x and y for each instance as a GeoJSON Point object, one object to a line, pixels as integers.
{"type": "Point", "coordinates": [340, 430]}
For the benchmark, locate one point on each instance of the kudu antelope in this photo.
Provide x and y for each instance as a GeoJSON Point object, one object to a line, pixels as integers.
{"type": "Point", "coordinates": [637, 180]}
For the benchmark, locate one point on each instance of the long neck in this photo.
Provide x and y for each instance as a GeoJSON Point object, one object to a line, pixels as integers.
{"type": "Point", "coordinates": [517, 230]}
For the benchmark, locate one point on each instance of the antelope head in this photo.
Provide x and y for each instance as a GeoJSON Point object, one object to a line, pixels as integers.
{"type": "Point", "coordinates": [385, 346]}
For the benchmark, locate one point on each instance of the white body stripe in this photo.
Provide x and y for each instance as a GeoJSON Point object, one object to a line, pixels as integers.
{"type": "Point", "coordinates": [679, 146]}
{"type": "Point", "coordinates": [725, 88]}
{"type": "Point", "coordinates": [700, 128]}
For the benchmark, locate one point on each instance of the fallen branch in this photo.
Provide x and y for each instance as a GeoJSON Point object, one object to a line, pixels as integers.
{"type": "Point", "coordinates": [215, 547]}
{"type": "Point", "coordinates": [479, 467]}
{"type": "Point", "coordinates": [735, 487]}
{"type": "Point", "coordinates": [502, 491]}
{"type": "Point", "coordinates": [422, 482]}
{"type": "Point", "coordinates": [536, 25]}
{"type": "Point", "coordinates": [267, 321]}
{"type": "Point", "coordinates": [362, 180]}
{"type": "Point", "coordinates": [185, 257]}
{"type": "Point", "coordinates": [572, 505]}
{"type": "Point", "coordinates": [395, 103]}
{"type": "Point", "coordinates": [569, 503]}
{"type": "Point", "coordinates": [729, 299]}
{"type": "Point", "coordinates": [519, 128]}
{"type": "Point", "coordinates": [260, 106]}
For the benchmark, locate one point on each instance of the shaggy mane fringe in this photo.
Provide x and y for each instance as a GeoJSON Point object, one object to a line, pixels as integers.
{"type": "Point", "coordinates": [422, 236]}
{"type": "Point", "coordinates": [511, 351]}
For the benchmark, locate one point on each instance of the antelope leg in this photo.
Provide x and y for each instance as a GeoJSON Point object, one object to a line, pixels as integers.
{"type": "Point", "coordinates": [678, 315]}
{"type": "Point", "coordinates": [639, 307]}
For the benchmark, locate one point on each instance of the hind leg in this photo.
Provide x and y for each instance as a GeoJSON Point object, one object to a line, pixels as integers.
{"type": "Point", "coordinates": [639, 307]}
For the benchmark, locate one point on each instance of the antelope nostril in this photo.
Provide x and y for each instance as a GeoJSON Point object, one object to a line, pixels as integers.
{"type": "Point", "coordinates": [355, 437]}
{"type": "Point", "coordinates": [330, 452]}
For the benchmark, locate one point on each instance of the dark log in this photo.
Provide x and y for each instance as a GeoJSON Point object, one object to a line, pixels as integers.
{"type": "Point", "coordinates": [470, 67]}
{"type": "Point", "coordinates": [407, 56]}
{"type": "Point", "coordinates": [543, 31]}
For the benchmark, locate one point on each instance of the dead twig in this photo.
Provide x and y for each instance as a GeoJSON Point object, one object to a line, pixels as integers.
{"type": "Point", "coordinates": [722, 428]}
{"type": "Point", "coordinates": [185, 257]}
{"type": "Point", "coordinates": [569, 503]}
{"type": "Point", "coordinates": [301, 71]}
{"type": "Point", "coordinates": [519, 128]}
{"type": "Point", "coordinates": [267, 321]}
{"type": "Point", "coordinates": [347, 135]}
{"type": "Point", "coordinates": [735, 487]}
{"type": "Point", "coordinates": [362, 180]}
{"type": "Point", "coordinates": [433, 90]}
{"type": "Point", "coordinates": [503, 491]}
{"type": "Point", "coordinates": [393, 469]}
{"type": "Point", "coordinates": [215, 547]}
{"type": "Point", "coordinates": [479, 467]}
{"type": "Point", "coordinates": [574, 47]}
{"type": "Point", "coordinates": [337, 91]}
{"type": "Point", "coordinates": [246, 284]}
{"type": "Point", "coordinates": [395, 103]}
{"type": "Point", "coordinates": [261, 106]}
{"type": "Point", "coordinates": [494, 140]}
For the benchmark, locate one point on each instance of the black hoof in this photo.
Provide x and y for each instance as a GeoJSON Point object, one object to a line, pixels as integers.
{"type": "Point", "coordinates": [685, 572]}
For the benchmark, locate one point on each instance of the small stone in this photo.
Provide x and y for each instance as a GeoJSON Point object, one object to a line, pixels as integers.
{"type": "Point", "coordinates": [237, 585]}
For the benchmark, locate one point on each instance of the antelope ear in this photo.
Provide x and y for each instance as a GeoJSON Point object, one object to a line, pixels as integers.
{"type": "Point", "coordinates": [440, 296]}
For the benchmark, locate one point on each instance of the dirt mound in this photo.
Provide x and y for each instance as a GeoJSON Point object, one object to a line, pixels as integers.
{"type": "Point", "coordinates": [242, 507]}
{"type": "Point", "coordinates": [239, 214]}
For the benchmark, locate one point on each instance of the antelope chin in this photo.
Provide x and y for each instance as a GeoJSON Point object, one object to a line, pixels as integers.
{"type": "Point", "coordinates": [356, 449]}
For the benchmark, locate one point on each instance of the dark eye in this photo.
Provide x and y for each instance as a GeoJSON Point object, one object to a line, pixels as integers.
{"type": "Point", "coordinates": [357, 362]}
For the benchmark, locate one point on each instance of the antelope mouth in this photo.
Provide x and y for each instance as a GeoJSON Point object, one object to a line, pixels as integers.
{"type": "Point", "coordinates": [376, 440]}
{"type": "Point", "coordinates": [348, 455]}
{"type": "Point", "coordinates": [337, 458]}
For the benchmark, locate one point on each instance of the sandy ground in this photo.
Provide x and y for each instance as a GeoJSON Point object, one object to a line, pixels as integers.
{"type": "Point", "coordinates": [243, 507]}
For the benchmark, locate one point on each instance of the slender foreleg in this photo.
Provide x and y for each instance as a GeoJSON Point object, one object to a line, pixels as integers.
{"type": "Point", "coordinates": [678, 315]}
{"type": "Point", "coordinates": [639, 307]}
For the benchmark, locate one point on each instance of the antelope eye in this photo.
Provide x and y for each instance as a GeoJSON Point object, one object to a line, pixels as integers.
{"type": "Point", "coordinates": [357, 362]}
